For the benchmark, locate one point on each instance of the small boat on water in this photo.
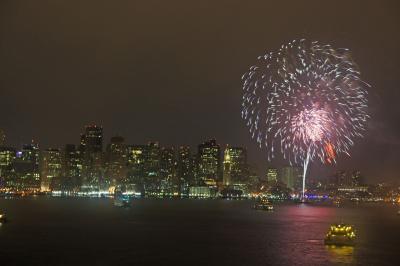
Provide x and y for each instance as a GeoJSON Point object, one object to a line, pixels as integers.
{"type": "Point", "coordinates": [121, 203]}
{"type": "Point", "coordinates": [337, 202]}
{"type": "Point", "coordinates": [121, 200]}
{"type": "Point", "coordinates": [263, 204]}
{"type": "Point", "coordinates": [340, 235]}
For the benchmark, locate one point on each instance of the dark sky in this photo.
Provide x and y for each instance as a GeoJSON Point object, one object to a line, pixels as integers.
{"type": "Point", "coordinates": [170, 70]}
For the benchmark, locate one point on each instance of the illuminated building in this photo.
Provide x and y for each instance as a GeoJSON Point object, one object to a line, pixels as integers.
{"type": "Point", "coordinates": [135, 165]}
{"type": "Point", "coordinates": [201, 192]}
{"type": "Point", "coordinates": [272, 175]}
{"type": "Point", "coordinates": [291, 177]}
{"type": "Point", "coordinates": [168, 169]}
{"type": "Point", "coordinates": [151, 166]}
{"type": "Point", "coordinates": [7, 158]}
{"type": "Point", "coordinates": [356, 179]}
{"type": "Point", "coordinates": [2, 138]}
{"type": "Point", "coordinates": [26, 167]}
{"type": "Point", "coordinates": [226, 177]}
{"type": "Point", "coordinates": [72, 162]}
{"type": "Point", "coordinates": [116, 160]}
{"type": "Point", "coordinates": [92, 148]}
{"type": "Point", "coordinates": [209, 163]}
{"type": "Point", "coordinates": [144, 165]}
{"type": "Point", "coordinates": [31, 153]}
{"type": "Point", "coordinates": [50, 167]}
{"type": "Point", "coordinates": [237, 159]}
{"type": "Point", "coordinates": [185, 168]}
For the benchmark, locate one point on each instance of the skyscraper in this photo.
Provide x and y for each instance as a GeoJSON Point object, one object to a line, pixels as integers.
{"type": "Point", "coordinates": [144, 166]}
{"type": "Point", "coordinates": [291, 177]}
{"type": "Point", "coordinates": [238, 164]}
{"type": "Point", "coordinates": [31, 153]}
{"type": "Point", "coordinates": [7, 158]}
{"type": "Point", "coordinates": [272, 175]}
{"type": "Point", "coordinates": [26, 166]}
{"type": "Point", "coordinates": [116, 160]}
{"type": "Point", "coordinates": [50, 167]}
{"type": "Point", "coordinates": [152, 166]}
{"type": "Point", "coordinates": [72, 162]}
{"type": "Point", "coordinates": [356, 178]}
{"type": "Point", "coordinates": [168, 170]}
{"type": "Point", "coordinates": [136, 156]}
{"type": "Point", "coordinates": [92, 148]}
{"type": "Point", "coordinates": [185, 171]}
{"type": "Point", "coordinates": [209, 162]}
{"type": "Point", "coordinates": [227, 163]}
{"type": "Point", "coordinates": [341, 179]}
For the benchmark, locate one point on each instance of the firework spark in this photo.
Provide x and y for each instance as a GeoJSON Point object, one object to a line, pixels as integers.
{"type": "Point", "coordinates": [307, 101]}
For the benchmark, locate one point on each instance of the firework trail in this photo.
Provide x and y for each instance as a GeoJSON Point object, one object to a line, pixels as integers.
{"type": "Point", "coordinates": [305, 100]}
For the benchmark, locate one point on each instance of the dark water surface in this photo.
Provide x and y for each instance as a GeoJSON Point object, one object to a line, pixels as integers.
{"type": "Point", "coordinates": [57, 231]}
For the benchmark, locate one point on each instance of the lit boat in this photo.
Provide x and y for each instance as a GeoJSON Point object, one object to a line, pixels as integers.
{"type": "Point", "coordinates": [121, 200]}
{"type": "Point", "coordinates": [337, 202]}
{"type": "Point", "coordinates": [263, 204]}
{"type": "Point", "coordinates": [3, 218]}
{"type": "Point", "coordinates": [340, 235]}
{"type": "Point", "coordinates": [121, 203]}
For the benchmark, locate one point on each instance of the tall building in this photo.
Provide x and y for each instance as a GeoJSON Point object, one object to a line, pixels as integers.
{"type": "Point", "coordinates": [50, 167]}
{"type": "Point", "coordinates": [136, 156]}
{"type": "Point", "coordinates": [168, 170]}
{"type": "Point", "coordinates": [341, 179]}
{"type": "Point", "coordinates": [209, 162]}
{"type": "Point", "coordinates": [184, 164]}
{"type": "Point", "coordinates": [72, 162]}
{"type": "Point", "coordinates": [26, 166]}
{"type": "Point", "coordinates": [2, 138]}
{"type": "Point", "coordinates": [238, 164]}
{"type": "Point", "coordinates": [227, 163]}
{"type": "Point", "coordinates": [272, 175]}
{"type": "Point", "coordinates": [93, 139]}
{"type": "Point", "coordinates": [291, 177]}
{"type": "Point", "coordinates": [356, 179]}
{"type": "Point", "coordinates": [152, 166]}
{"type": "Point", "coordinates": [116, 160]}
{"type": "Point", "coordinates": [31, 153]}
{"type": "Point", "coordinates": [92, 148]}
{"type": "Point", "coordinates": [185, 171]}
{"type": "Point", "coordinates": [7, 158]}
{"type": "Point", "coordinates": [143, 166]}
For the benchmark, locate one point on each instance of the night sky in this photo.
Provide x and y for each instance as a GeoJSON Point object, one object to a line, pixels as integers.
{"type": "Point", "coordinates": [171, 70]}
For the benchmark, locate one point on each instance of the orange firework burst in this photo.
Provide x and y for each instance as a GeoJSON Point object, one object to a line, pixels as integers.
{"type": "Point", "coordinates": [330, 153]}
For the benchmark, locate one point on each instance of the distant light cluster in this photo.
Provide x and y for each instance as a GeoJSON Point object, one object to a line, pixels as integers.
{"type": "Point", "coordinates": [306, 100]}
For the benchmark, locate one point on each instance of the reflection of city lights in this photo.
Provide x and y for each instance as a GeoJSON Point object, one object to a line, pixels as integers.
{"type": "Point", "coordinates": [343, 254]}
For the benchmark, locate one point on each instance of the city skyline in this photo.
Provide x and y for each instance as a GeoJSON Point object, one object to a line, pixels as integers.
{"type": "Point", "coordinates": [169, 82]}
{"type": "Point", "coordinates": [91, 139]}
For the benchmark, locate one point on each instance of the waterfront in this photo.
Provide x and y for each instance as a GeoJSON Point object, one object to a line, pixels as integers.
{"type": "Point", "coordinates": [79, 231]}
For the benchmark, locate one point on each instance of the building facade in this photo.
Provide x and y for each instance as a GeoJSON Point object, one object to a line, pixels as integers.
{"type": "Point", "coordinates": [50, 168]}
{"type": "Point", "coordinates": [209, 161]}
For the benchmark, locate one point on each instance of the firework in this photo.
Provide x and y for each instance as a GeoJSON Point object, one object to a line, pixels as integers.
{"type": "Point", "coordinates": [305, 100]}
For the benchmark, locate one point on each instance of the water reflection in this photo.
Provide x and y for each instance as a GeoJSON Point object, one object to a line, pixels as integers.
{"type": "Point", "coordinates": [343, 254]}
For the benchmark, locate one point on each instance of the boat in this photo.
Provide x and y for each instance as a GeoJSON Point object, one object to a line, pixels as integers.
{"type": "Point", "coordinates": [121, 200]}
{"type": "Point", "coordinates": [121, 203]}
{"type": "Point", "coordinates": [263, 204]}
{"type": "Point", "coordinates": [340, 235]}
{"type": "Point", "coordinates": [3, 218]}
{"type": "Point", "coordinates": [337, 202]}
